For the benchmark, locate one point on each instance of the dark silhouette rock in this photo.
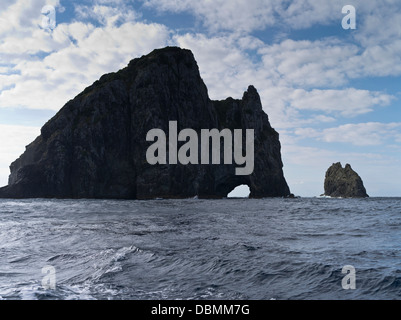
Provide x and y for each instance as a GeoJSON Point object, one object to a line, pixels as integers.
{"type": "Point", "coordinates": [343, 182]}
{"type": "Point", "coordinates": [95, 146]}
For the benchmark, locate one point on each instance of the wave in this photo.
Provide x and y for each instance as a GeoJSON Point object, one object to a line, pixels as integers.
{"type": "Point", "coordinates": [186, 249]}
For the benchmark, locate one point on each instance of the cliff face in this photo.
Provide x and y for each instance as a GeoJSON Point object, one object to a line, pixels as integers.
{"type": "Point", "coordinates": [95, 146]}
{"type": "Point", "coordinates": [343, 182]}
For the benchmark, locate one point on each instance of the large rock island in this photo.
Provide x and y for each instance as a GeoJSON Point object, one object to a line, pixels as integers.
{"type": "Point", "coordinates": [95, 146]}
{"type": "Point", "coordinates": [343, 182]}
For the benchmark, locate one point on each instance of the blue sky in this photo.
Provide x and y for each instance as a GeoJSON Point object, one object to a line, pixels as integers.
{"type": "Point", "coordinates": [332, 94]}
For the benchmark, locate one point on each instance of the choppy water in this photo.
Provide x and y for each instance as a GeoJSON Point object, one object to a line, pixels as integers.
{"type": "Point", "coordinates": [199, 249]}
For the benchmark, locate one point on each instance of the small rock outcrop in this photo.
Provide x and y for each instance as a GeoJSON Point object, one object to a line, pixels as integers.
{"type": "Point", "coordinates": [95, 146]}
{"type": "Point", "coordinates": [343, 182]}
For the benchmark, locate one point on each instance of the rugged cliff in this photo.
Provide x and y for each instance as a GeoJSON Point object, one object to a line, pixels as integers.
{"type": "Point", "coordinates": [95, 146]}
{"type": "Point", "coordinates": [343, 182]}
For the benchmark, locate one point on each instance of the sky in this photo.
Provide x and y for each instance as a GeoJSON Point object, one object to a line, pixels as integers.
{"type": "Point", "coordinates": [333, 94]}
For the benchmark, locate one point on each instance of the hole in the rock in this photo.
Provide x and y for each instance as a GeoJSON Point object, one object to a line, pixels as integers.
{"type": "Point", "coordinates": [241, 191]}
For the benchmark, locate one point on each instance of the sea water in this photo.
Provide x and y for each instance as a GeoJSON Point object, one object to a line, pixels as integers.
{"type": "Point", "coordinates": [200, 249]}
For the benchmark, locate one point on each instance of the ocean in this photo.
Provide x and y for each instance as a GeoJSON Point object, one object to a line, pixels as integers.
{"type": "Point", "coordinates": [230, 249]}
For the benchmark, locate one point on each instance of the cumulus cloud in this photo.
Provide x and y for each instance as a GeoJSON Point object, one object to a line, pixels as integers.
{"type": "Point", "coordinates": [228, 70]}
{"type": "Point", "coordinates": [250, 15]}
{"type": "Point", "coordinates": [329, 62]}
{"type": "Point", "coordinates": [309, 63]}
{"type": "Point", "coordinates": [375, 51]}
{"type": "Point", "coordinates": [347, 102]}
{"type": "Point", "coordinates": [76, 55]}
{"type": "Point", "coordinates": [233, 15]}
{"type": "Point", "coordinates": [107, 12]}
{"type": "Point", "coordinates": [380, 22]}
{"type": "Point", "coordinates": [20, 17]}
{"type": "Point", "coordinates": [360, 134]}
{"type": "Point", "coordinates": [301, 14]}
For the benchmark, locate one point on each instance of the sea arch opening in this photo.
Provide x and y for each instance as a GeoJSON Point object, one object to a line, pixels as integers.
{"type": "Point", "coordinates": [229, 183]}
{"type": "Point", "coordinates": [241, 191]}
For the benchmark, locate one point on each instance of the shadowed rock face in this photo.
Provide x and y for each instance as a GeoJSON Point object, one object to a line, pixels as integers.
{"type": "Point", "coordinates": [95, 146]}
{"type": "Point", "coordinates": [343, 182]}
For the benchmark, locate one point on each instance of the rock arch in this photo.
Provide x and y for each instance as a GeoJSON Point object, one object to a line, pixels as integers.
{"type": "Point", "coordinates": [95, 146]}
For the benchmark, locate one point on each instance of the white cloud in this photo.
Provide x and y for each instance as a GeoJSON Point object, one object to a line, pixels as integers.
{"type": "Point", "coordinates": [227, 71]}
{"type": "Point", "coordinates": [329, 62]}
{"type": "Point", "coordinates": [20, 16]}
{"type": "Point", "coordinates": [309, 63]}
{"type": "Point", "coordinates": [78, 54]}
{"type": "Point", "coordinates": [380, 22]}
{"type": "Point", "coordinates": [233, 15]}
{"type": "Point", "coordinates": [360, 134]}
{"type": "Point", "coordinates": [289, 107]}
{"type": "Point", "coordinates": [302, 14]}
{"type": "Point", "coordinates": [225, 68]}
{"type": "Point", "coordinates": [250, 15]}
{"type": "Point", "coordinates": [377, 61]}
{"type": "Point", "coordinates": [106, 14]}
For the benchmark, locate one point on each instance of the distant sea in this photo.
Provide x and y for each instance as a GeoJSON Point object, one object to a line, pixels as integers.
{"type": "Point", "coordinates": [242, 249]}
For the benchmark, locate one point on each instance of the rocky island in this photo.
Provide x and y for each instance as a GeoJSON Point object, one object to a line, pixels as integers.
{"type": "Point", "coordinates": [95, 146]}
{"type": "Point", "coordinates": [343, 182]}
